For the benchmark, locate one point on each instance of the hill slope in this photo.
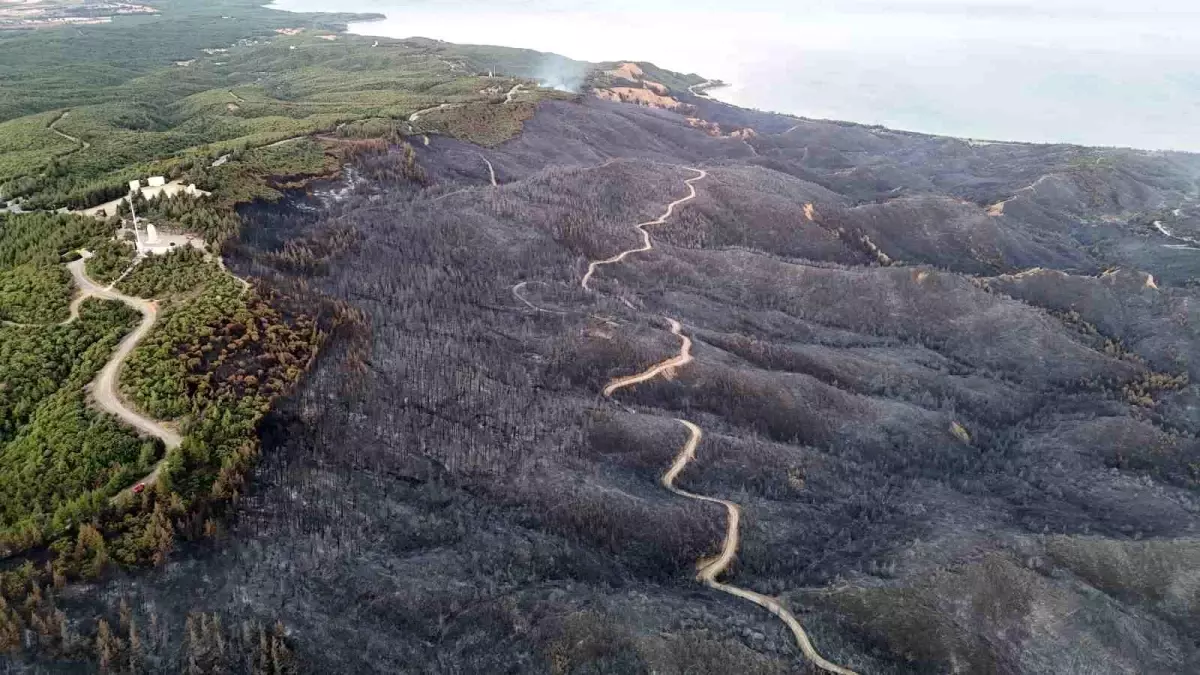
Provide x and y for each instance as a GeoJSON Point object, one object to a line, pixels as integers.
{"type": "Point", "coordinates": [936, 396]}
{"type": "Point", "coordinates": [962, 437]}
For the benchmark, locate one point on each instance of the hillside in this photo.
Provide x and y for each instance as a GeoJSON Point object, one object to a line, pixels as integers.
{"type": "Point", "coordinates": [509, 360]}
{"type": "Point", "coordinates": [961, 439]}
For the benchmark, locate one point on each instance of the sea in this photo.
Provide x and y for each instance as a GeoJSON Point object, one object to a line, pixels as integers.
{"type": "Point", "coordinates": [1093, 72]}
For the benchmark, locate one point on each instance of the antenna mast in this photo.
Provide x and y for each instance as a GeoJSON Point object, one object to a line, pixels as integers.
{"type": "Point", "coordinates": [137, 236]}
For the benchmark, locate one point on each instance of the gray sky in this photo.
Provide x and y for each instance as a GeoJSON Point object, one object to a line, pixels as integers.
{"type": "Point", "coordinates": [1084, 8]}
{"type": "Point", "coordinates": [799, 8]}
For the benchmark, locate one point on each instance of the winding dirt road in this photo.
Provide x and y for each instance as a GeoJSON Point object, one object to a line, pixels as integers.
{"type": "Point", "coordinates": [641, 227]}
{"type": "Point", "coordinates": [684, 358]}
{"type": "Point", "coordinates": [1189, 242]}
{"type": "Point", "coordinates": [104, 387]}
{"type": "Point", "coordinates": [516, 291]}
{"type": "Point", "coordinates": [285, 141]}
{"type": "Point", "coordinates": [245, 284]}
{"type": "Point", "coordinates": [441, 106]}
{"type": "Point", "coordinates": [83, 145]}
{"type": "Point", "coordinates": [491, 171]}
{"type": "Point", "coordinates": [71, 318]}
{"type": "Point", "coordinates": [707, 569]}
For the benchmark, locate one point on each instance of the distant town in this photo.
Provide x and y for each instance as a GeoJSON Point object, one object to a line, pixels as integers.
{"type": "Point", "coordinates": [33, 14]}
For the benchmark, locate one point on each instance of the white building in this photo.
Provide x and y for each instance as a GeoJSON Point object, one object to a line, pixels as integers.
{"type": "Point", "coordinates": [155, 187]}
{"type": "Point", "coordinates": [152, 242]}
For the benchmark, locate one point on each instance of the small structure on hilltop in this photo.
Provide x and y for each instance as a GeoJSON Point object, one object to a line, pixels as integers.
{"type": "Point", "coordinates": [155, 186]}
{"type": "Point", "coordinates": [151, 242]}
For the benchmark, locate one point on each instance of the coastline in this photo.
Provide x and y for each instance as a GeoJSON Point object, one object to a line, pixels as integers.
{"type": "Point", "coordinates": [706, 86]}
{"type": "Point", "coordinates": [854, 73]}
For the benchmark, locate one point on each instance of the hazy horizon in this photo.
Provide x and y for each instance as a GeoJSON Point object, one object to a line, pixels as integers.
{"type": "Point", "coordinates": [1077, 71]}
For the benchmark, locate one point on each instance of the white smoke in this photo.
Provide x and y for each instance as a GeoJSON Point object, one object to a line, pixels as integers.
{"type": "Point", "coordinates": [561, 73]}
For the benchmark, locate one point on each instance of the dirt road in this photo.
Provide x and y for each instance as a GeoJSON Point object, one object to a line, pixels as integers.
{"type": "Point", "coordinates": [71, 318]}
{"type": "Point", "coordinates": [707, 569]}
{"type": "Point", "coordinates": [1189, 242]}
{"type": "Point", "coordinates": [83, 145]}
{"type": "Point", "coordinates": [516, 291]}
{"type": "Point", "coordinates": [441, 106]}
{"type": "Point", "coordinates": [491, 170]}
{"type": "Point", "coordinates": [285, 141]}
{"type": "Point", "coordinates": [684, 358]}
{"type": "Point", "coordinates": [245, 284]}
{"type": "Point", "coordinates": [641, 227]}
{"type": "Point", "coordinates": [104, 387]}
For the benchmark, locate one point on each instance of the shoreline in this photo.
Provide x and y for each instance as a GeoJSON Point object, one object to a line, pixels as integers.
{"type": "Point", "coordinates": [745, 87]}
{"type": "Point", "coordinates": [706, 86]}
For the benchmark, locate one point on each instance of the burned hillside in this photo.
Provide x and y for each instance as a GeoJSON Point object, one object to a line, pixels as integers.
{"type": "Point", "coordinates": [949, 384]}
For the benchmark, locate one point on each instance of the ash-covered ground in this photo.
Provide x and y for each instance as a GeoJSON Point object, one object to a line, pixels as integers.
{"type": "Point", "coordinates": [948, 383]}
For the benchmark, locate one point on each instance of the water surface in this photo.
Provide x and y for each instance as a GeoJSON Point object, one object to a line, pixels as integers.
{"type": "Point", "coordinates": [1097, 72]}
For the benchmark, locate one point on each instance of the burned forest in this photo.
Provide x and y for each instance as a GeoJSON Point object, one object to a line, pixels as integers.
{"type": "Point", "coordinates": [948, 385]}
